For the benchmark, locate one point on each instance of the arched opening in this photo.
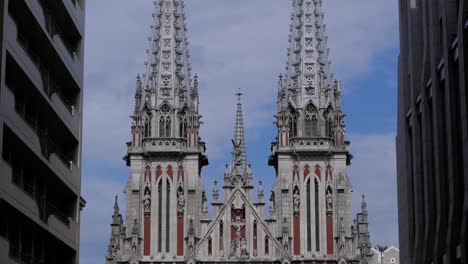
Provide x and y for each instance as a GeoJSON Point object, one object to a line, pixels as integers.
{"type": "Point", "coordinates": [292, 122]}
{"type": "Point", "coordinates": [311, 121]}
{"type": "Point", "coordinates": [183, 124]}
{"type": "Point", "coordinates": [165, 121]}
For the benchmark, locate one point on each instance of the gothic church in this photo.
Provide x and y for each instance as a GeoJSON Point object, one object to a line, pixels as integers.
{"type": "Point", "coordinates": [309, 214]}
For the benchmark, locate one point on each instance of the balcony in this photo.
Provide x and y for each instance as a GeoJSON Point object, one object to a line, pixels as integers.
{"type": "Point", "coordinates": [56, 93]}
{"type": "Point", "coordinates": [57, 46]}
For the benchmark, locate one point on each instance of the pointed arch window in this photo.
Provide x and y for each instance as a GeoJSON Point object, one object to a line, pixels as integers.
{"type": "Point", "coordinates": [311, 122]}
{"type": "Point", "coordinates": [292, 122]}
{"type": "Point", "coordinates": [165, 121]}
{"type": "Point", "coordinates": [147, 127]}
{"type": "Point", "coordinates": [183, 124]}
{"type": "Point", "coordinates": [329, 127]}
{"type": "Point", "coordinates": [159, 216]}
{"type": "Point", "coordinates": [221, 235]}
{"type": "Point", "coordinates": [255, 238]}
{"type": "Point", "coordinates": [168, 210]}
{"type": "Point", "coordinates": [267, 246]}
{"type": "Point", "coordinates": [317, 218]}
{"type": "Point", "coordinates": [210, 246]}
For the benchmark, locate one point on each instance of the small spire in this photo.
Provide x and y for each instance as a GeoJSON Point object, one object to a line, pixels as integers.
{"type": "Point", "coordinates": [116, 217]}
{"type": "Point", "coordinates": [138, 95]}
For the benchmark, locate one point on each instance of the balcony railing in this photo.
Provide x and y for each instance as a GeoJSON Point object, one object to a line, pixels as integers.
{"type": "Point", "coordinates": [50, 86]}
{"type": "Point", "coordinates": [48, 146]}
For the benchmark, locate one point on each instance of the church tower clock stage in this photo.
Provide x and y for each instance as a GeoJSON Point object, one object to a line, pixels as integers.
{"type": "Point", "coordinates": [308, 219]}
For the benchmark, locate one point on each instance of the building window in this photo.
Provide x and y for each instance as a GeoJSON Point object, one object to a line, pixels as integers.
{"type": "Point", "coordinates": [317, 217]}
{"type": "Point", "coordinates": [159, 216]}
{"type": "Point", "coordinates": [329, 127]}
{"type": "Point", "coordinates": [311, 123]}
{"type": "Point", "coordinates": [309, 228]}
{"type": "Point", "coordinates": [255, 238]}
{"type": "Point", "coordinates": [221, 235]}
{"type": "Point", "coordinates": [292, 122]}
{"type": "Point", "coordinates": [165, 122]}
{"type": "Point", "coordinates": [183, 124]}
{"type": "Point", "coordinates": [267, 246]}
{"type": "Point", "coordinates": [210, 246]}
{"type": "Point", "coordinates": [168, 210]}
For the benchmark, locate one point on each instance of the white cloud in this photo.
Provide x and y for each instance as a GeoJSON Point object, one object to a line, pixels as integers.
{"type": "Point", "coordinates": [234, 44]}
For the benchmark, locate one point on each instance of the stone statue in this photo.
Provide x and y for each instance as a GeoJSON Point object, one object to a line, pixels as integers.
{"type": "Point", "coordinates": [147, 199]}
{"type": "Point", "coordinates": [296, 201]}
{"type": "Point", "coordinates": [329, 202]}
{"type": "Point", "coordinates": [237, 152]}
{"type": "Point", "coordinates": [244, 253]}
{"type": "Point", "coordinates": [261, 192]}
{"type": "Point", "coordinates": [180, 200]}
{"type": "Point", "coordinates": [215, 194]}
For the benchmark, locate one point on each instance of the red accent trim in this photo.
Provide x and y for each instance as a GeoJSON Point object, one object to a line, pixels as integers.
{"type": "Point", "coordinates": [180, 174]}
{"type": "Point", "coordinates": [158, 172]}
{"type": "Point", "coordinates": [148, 174]}
{"type": "Point", "coordinates": [170, 173]}
{"type": "Point", "coordinates": [233, 233]}
{"type": "Point", "coordinates": [317, 172]}
{"type": "Point", "coordinates": [329, 234]}
{"type": "Point", "coordinates": [147, 236]}
{"type": "Point", "coordinates": [180, 236]}
{"type": "Point", "coordinates": [297, 235]}
{"type": "Point", "coordinates": [306, 172]}
{"type": "Point", "coordinates": [243, 232]}
{"type": "Point", "coordinates": [329, 173]}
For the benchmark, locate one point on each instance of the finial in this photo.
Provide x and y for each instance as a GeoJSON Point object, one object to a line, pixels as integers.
{"type": "Point", "coordinates": [116, 205]}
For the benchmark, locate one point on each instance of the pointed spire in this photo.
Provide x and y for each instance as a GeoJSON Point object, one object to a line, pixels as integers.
{"type": "Point", "coordinates": [308, 57]}
{"type": "Point", "coordinates": [239, 136]}
{"type": "Point", "coordinates": [168, 68]}
{"type": "Point", "coordinates": [138, 96]}
{"type": "Point", "coordinates": [116, 217]}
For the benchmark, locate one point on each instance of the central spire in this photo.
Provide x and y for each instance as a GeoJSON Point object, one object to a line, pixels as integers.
{"type": "Point", "coordinates": [308, 77]}
{"type": "Point", "coordinates": [239, 135]}
{"type": "Point", "coordinates": [168, 71]}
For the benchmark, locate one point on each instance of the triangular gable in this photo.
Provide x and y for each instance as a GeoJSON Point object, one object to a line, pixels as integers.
{"type": "Point", "coordinates": [260, 222]}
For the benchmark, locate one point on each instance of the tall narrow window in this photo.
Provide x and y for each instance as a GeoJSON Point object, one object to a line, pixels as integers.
{"type": "Point", "coordinates": [329, 127]}
{"type": "Point", "coordinates": [221, 235]}
{"type": "Point", "coordinates": [165, 122]}
{"type": "Point", "coordinates": [292, 122]}
{"type": "Point", "coordinates": [311, 122]}
{"type": "Point", "coordinates": [168, 210]}
{"type": "Point", "coordinates": [309, 229]}
{"type": "Point", "coordinates": [210, 246]}
{"type": "Point", "coordinates": [147, 128]}
{"type": "Point", "coordinates": [159, 216]}
{"type": "Point", "coordinates": [255, 238]}
{"type": "Point", "coordinates": [317, 219]}
{"type": "Point", "coordinates": [183, 124]}
{"type": "Point", "coordinates": [267, 246]}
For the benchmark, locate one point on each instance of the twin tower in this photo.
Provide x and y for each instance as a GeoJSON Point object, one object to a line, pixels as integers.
{"type": "Point", "coordinates": [309, 215]}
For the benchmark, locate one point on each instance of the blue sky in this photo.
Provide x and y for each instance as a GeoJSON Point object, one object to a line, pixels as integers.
{"type": "Point", "coordinates": [240, 44]}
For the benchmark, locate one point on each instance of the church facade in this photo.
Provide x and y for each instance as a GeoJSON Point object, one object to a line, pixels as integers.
{"type": "Point", "coordinates": [309, 218]}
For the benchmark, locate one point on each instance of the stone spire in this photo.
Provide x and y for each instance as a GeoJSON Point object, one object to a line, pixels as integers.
{"type": "Point", "coordinates": [117, 217]}
{"type": "Point", "coordinates": [364, 243]}
{"type": "Point", "coordinates": [308, 76]}
{"type": "Point", "coordinates": [138, 96]}
{"type": "Point", "coordinates": [239, 136]}
{"type": "Point", "coordinates": [167, 76]}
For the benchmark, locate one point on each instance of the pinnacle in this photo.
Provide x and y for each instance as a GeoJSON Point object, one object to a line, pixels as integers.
{"type": "Point", "coordinates": [239, 135]}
